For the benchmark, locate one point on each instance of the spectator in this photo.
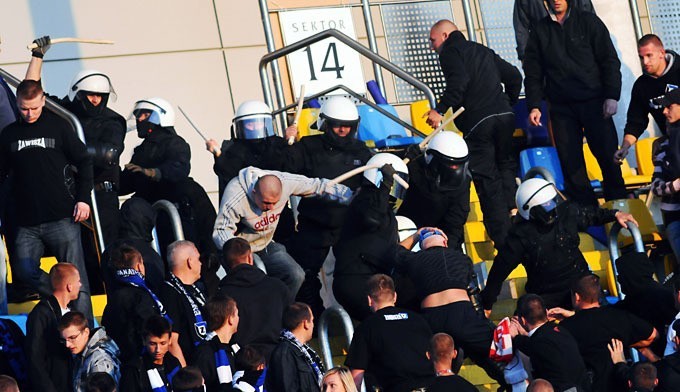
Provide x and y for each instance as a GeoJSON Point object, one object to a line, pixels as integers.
{"type": "Point", "coordinates": [91, 350]}
{"type": "Point", "coordinates": [253, 372]}
{"type": "Point", "coordinates": [100, 382]}
{"type": "Point", "coordinates": [128, 307]}
{"type": "Point", "coordinates": [261, 299]}
{"type": "Point", "coordinates": [253, 143]}
{"type": "Point", "coordinates": [661, 74]}
{"type": "Point", "coordinates": [159, 169]}
{"type": "Point", "coordinates": [369, 240]}
{"type": "Point", "coordinates": [338, 379]}
{"type": "Point", "coordinates": [137, 220]}
{"type": "Point", "coordinates": [251, 208]}
{"type": "Point", "coordinates": [666, 178]}
{"type": "Point", "coordinates": [527, 13]}
{"type": "Point", "coordinates": [398, 358]}
{"type": "Point", "coordinates": [319, 221]}
{"type": "Point", "coordinates": [183, 300]}
{"type": "Point", "coordinates": [439, 187]}
{"type": "Point", "coordinates": [553, 351]}
{"type": "Point", "coordinates": [669, 367]}
{"type": "Point", "coordinates": [670, 336]}
{"type": "Point", "coordinates": [188, 379]}
{"type": "Point", "coordinates": [154, 369]}
{"type": "Point", "coordinates": [215, 357]}
{"type": "Point", "coordinates": [12, 355]}
{"type": "Point", "coordinates": [540, 385]}
{"type": "Point", "coordinates": [294, 366]}
{"type": "Point", "coordinates": [643, 378]}
{"type": "Point", "coordinates": [443, 353]}
{"type": "Point", "coordinates": [474, 74]}
{"type": "Point", "coordinates": [545, 240]}
{"type": "Point", "coordinates": [38, 148]}
{"type": "Point", "coordinates": [48, 359]}
{"type": "Point", "coordinates": [560, 48]}
{"type": "Point", "coordinates": [593, 326]}
{"type": "Point", "coordinates": [8, 384]}
{"type": "Point", "coordinates": [444, 280]}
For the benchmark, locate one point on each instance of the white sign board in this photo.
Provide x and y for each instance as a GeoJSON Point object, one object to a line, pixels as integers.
{"type": "Point", "coordinates": [326, 63]}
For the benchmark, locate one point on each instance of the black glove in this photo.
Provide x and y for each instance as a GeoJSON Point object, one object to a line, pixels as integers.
{"type": "Point", "coordinates": [44, 43]}
{"type": "Point", "coordinates": [412, 152]}
{"type": "Point", "coordinates": [388, 173]}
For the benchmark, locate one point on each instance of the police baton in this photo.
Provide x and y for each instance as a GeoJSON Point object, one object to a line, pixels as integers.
{"type": "Point", "coordinates": [362, 169]}
{"type": "Point", "coordinates": [33, 45]}
{"type": "Point", "coordinates": [432, 134]}
{"type": "Point", "coordinates": [217, 151]}
{"type": "Point", "coordinates": [298, 111]}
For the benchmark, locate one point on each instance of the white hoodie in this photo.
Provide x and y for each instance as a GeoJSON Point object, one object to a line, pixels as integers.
{"type": "Point", "coordinates": [257, 226]}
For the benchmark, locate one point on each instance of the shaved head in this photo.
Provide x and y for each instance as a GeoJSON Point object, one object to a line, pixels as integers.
{"type": "Point", "coordinates": [439, 32]}
{"type": "Point", "coordinates": [540, 385]}
{"type": "Point", "coordinates": [442, 348]}
{"type": "Point", "coordinates": [444, 26]}
{"type": "Point", "coordinates": [267, 192]}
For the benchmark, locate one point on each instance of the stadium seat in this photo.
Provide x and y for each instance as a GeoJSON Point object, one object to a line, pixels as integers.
{"type": "Point", "coordinates": [643, 155]}
{"type": "Point", "coordinates": [418, 109]}
{"type": "Point", "coordinates": [535, 136]}
{"type": "Point", "coordinates": [307, 118]}
{"type": "Point", "coordinates": [636, 207]}
{"type": "Point", "coordinates": [382, 130]}
{"type": "Point", "coordinates": [632, 180]}
{"type": "Point", "coordinates": [545, 157]}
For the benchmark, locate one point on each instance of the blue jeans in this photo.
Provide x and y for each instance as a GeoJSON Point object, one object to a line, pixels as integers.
{"type": "Point", "coordinates": [62, 237]}
{"type": "Point", "coordinates": [281, 265]}
{"type": "Point", "coordinates": [673, 236]}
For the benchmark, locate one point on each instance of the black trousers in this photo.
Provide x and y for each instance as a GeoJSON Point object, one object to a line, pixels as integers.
{"type": "Point", "coordinates": [570, 122]}
{"type": "Point", "coordinates": [494, 167]}
{"type": "Point", "coordinates": [109, 220]}
{"type": "Point", "coordinates": [469, 330]}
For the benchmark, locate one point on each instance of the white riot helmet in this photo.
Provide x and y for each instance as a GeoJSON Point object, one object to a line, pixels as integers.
{"type": "Point", "coordinates": [253, 120]}
{"type": "Point", "coordinates": [375, 176]}
{"type": "Point", "coordinates": [537, 199]}
{"type": "Point", "coordinates": [338, 112]}
{"type": "Point", "coordinates": [406, 227]}
{"type": "Point", "coordinates": [162, 112]}
{"type": "Point", "coordinates": [447, 158]}
{"type": "Point", "coordinates": [91, 81]}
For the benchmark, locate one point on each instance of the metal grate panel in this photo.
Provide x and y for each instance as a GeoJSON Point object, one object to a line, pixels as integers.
{"type": "Point", "coordinates": [665, 19]}
{"type": "Point", "coordinates": [500, 33]}
{"type": "Point", "coordinates": [407, 31]}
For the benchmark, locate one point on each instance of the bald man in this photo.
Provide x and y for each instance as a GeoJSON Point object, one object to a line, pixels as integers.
{"type": "Point", "coordinates": [540, 385]}
{"type": "Point", "coordinates": [251, 207]}
{"type": "Point", "coordinates": [442, 353]}
{"type": "Point", "coordinates": [474, 74]}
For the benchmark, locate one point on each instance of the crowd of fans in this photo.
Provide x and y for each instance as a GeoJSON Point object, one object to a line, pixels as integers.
{"type": "Point", "coordinates": [234, 306]}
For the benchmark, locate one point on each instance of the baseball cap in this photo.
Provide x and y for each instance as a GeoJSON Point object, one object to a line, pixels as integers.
{"type": "Point", "coordinates": [671, 97]}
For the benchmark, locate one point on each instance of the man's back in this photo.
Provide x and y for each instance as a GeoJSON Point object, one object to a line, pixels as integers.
{"type": "Point", "coordinates": [261, 301]}
{"type": "Point", "coordinates": [391, 345]}
{"type": "Point", "coordinates": [594, 328]}
{"type": "Point", "coordinates": [289, 370]}
{"type": "Point", "coordinates": [668, 373]}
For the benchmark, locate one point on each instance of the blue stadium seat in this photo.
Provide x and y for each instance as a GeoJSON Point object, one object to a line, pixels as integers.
{"type": "Point", "coordinates": [536, 136]}
{"type": "Point", "coordinates": [381, 129]}
{"type": "Point", "coordinates": [545, 157]}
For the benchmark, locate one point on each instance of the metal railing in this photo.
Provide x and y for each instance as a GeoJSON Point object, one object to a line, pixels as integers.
{"type": "Point", "coordinates": [614, 253]}
{"type": "Point", "coordinates": [324, 341]}
{"type": "Point", "coordinates": [357, 47]}
{"type": "Point", "coordinates": [75, 124]}
{"type": "Point", "coordinates": [175, 221]}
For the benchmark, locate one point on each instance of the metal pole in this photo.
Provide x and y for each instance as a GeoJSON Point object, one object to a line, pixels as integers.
{"type": "Point", "coordinates": [276, 72]}
{"type": "Point", "coordinates": [635, 11]}
{"type": "Point", "coordinates": [372, 44]}
{"type": "Point", "coordinates": [324, 342]}
{"type": "Point", "coordinates": [469, 22]}
{"type": "Point", "coordinates": [75, 124]}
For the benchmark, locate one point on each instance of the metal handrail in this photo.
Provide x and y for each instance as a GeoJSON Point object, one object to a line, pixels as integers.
{"type": "Point", "coordinates": [333, 33]}
{"type": "Point", "coordinates": [75, 124]}
{"type": "Point", "coordinates": [372, 43]}
{"type": "Point", "coordinates": [539, 171]}
{"type": "Point", "coordinates": [358, 97]}
{"type": "Point", "coordinates": [324, 342]}
{"type": "Point", "coordinates": [175, 220]}
{"type": "Point", "coordinates": [614, 249]}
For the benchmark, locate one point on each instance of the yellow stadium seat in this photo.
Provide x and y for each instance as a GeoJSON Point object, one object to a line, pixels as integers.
{"type": "Point", "coordinates": [418, 110]}
{"type": "Point", "coordinates": [636, 207]}
{"type": "Point", "coordinates": [631, 179]}
{"type": "Point", "coordinates": [475, 232]}
{"type": "Point", "coordinates": [643, 154]}
{"type": "Point", "coordinates": [307, 118]}
{"type": "Point", "coordinates": [480, 251]}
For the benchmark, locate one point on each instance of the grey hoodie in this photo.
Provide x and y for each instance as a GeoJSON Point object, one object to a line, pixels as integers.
{"type": "Point", "coordinates": [100, 355]}
{"type": "Point", "coordinates": [239, 215]}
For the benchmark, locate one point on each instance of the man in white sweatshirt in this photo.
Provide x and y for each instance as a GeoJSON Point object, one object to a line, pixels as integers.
{"type": "Point", "coordinates": [251, 207]}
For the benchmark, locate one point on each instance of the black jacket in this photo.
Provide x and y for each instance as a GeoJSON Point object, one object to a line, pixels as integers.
{"type": "Point", "coordinates": [549, 254]}
{"type": "Point", "coordinates": [204, 359]}
{"type": "Point", "coordinates": [288, 371]}
{"type": "Point", "coordinates": [426, 205]}
{"type": "Point", "coordinates": [554, 356]}
{"type": "Point", "coordinates": [319, 157]}
{"type": "Point", "coordinates": [267, 154]}
{"type": "Point", "coordinates": [668, 372]}
{"type": "Point", "coordinates": [529, 12]}
{"type": "Point", "coordinates": [647, 90]}
{"type": "Point", "coordinates": [369, 239]}
{"type": "Point", "coordinates": [573, 62]}
{"type": "Point", "coordinates": [134, 377]}
{"type": "Point", "coordinates": [474, 74]}
{"type": "Point", "coordinates": [261, 301]}
{"type": "Point", "coordinates": [48, 359]}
